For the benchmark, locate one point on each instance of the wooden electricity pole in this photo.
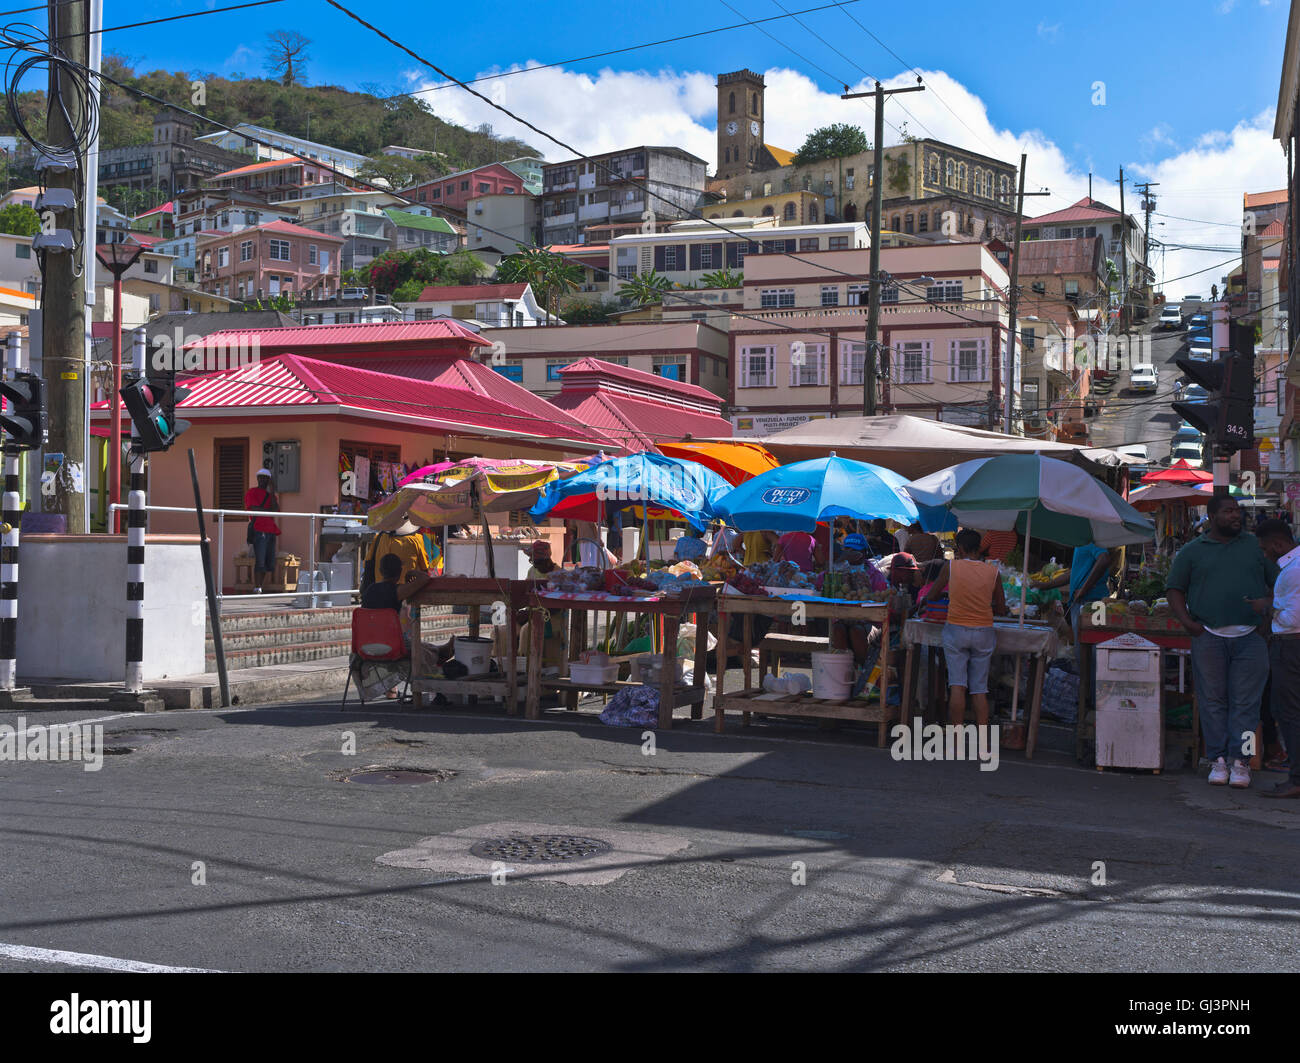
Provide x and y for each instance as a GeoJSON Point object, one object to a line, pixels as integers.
{"type": "Point", "coordinates": [870, 359]}
{"type": "Point", "coordinates": [63, 304]}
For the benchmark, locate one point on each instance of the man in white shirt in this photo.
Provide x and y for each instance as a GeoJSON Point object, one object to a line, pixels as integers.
{"type": "Point", "coordinates": [1284, 646]}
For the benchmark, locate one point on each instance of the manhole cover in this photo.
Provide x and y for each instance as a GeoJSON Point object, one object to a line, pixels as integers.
{"type": "Point", "coordinates": [540, 848]}
{"type": "Point", "coordinates": [399, 776]}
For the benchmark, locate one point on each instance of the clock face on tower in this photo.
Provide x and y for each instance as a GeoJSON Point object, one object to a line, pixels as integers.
{"type": "Point", "coordinates": [753, 129]}
{"type": "Point", "coordinates": [731, 129]}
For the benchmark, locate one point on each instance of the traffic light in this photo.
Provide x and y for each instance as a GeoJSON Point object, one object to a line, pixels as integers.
{"type": "Point", "coordinates": [1228, 416]}
{"type": "Point", "coordinates": [151, 405]}
{"type": "Point", "coordinates": [25, 420]}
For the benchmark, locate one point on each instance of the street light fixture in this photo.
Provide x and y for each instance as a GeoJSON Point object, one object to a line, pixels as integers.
{"type": "Point", "coordinates": [117, 259]}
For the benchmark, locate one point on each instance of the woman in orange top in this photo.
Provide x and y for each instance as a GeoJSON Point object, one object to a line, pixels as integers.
{"type": "Point", "coordinates": [974, 596]}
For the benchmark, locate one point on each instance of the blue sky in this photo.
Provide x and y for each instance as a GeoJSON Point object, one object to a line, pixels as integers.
{"type": "Point", "coordinates": [1189, 88]}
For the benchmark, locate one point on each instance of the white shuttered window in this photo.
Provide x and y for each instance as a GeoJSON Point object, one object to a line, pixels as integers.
{"type": "Point", "coordinates": [809, 368]}
{"type": "Point", "coordinates": [968, 360]}
{"type": "Point", "coordinates": [757, 367]}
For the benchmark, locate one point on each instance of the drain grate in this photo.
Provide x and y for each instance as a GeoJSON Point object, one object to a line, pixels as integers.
{"type": "Point", "coordinates": [400, 776]}
{"type": "Point", "coordinates": [540, 848]}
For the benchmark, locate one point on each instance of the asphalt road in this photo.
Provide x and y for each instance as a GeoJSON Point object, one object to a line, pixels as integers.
{"type": "Point", "coordinates": [906, 866]}
{"type": "Point", "coordinates": [1144, 417]}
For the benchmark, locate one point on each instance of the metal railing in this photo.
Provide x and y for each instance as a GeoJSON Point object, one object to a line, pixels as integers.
{"type": "Point", "coordinates": [220, 516]}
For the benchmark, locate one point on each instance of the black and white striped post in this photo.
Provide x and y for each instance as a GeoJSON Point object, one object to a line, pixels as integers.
{"type": "Point", "coordinates": [136, 521]}
{"type": "Point", "coordinates": [9, 542]}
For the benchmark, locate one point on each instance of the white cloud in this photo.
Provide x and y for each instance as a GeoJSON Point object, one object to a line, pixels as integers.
{"type": "Point", "coordinates": [1226, 7]}
{"type": "Point", "coordinates": [617, 109]}
{"type": "Point", "coordinates": [242, 54]}
{"type": "Point", "coordinates": [1049, 32]}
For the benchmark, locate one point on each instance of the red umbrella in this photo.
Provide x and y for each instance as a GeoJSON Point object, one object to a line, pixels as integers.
{"type": "Point", "coordinates": [1179, 473]}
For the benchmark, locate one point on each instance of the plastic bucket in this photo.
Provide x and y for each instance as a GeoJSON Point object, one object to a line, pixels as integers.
{"type": "Point", "coordinates": [474, 653]}
{"type": "Point", "coordinates": [832, 675]}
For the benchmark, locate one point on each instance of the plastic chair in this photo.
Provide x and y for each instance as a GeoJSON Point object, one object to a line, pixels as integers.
{"type": "Point", "coordinates": [376, 639]}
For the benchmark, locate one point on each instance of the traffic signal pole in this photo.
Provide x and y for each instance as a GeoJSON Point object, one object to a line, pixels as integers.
{"type": "Point", "coordinates": [136, 521]}
{"type": "Point", "coordinates": [9, 543]}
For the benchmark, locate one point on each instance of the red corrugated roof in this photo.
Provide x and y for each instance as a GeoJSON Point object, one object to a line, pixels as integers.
{"type": "Point", "coordinates": [1084, 210]}
{"type": "Point", "coordinates": [165, 207]}
{"type": "Point", "coordinates": [295, 230]}
{"type": "Point", "coordinates": [1052, 257]}
{"type": "Point", "coordinates": [471, 293]}
{"type": "Point", "coordinates": [315, 337]}
{"type": "Point", "coordinates": [1274, 228]}
{"type": "Point", "coordinates": [637, 423]}
{"type": "Point", "coordinates": [633, 376]}
{"type": "Point", "coordinates": [290, 381]}
{"type": "Point", "coordinates": [464, 374]}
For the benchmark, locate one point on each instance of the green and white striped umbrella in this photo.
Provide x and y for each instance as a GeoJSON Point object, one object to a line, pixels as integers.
{"type": "Point", "coordinates": [1045, 497]}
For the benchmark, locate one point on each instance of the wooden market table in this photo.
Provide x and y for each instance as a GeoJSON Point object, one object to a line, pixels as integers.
{"type": "Point", "coordinates": [476, 593]}
{"type": "Point", "coordinates": [671, 609]}
{"type": "Point", "coordinates": [1166, 633]}
{"type": "Point", "coordinates": [1034, 640]}
{"type": "Point", "coordinates": [751, 699]}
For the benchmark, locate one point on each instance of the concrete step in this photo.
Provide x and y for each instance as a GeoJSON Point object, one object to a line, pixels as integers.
{"type": "Point", "coordinates": [289, 653]}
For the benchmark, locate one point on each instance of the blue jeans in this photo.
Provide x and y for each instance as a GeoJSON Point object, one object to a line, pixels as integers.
{"type": "Point", "coordinates": [1230, 676]}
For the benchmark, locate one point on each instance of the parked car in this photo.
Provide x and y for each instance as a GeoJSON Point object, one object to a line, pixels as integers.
{"type": "Point", "coordinates": [1134, 450]}
{"type": "Point", "coordinates": [1188, 452]}
{"type": "Point", "coordinates": [1191, 298]}
{"type": "Point", "coordinates": [1171, 317]}
{"type": "Point", "coordinates": [1195, 393]}
{"type": "Point", "coordinates": [1199, 349]}
{"type": "Point", "coordinates": [1142, 377]}
{"type": "Point", "coordinates": [1187, 434]}
{"type": "Point", "coordinates": [1197, 322]}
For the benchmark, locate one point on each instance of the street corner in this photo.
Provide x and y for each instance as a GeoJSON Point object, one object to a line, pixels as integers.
{"type": "Point", "coordinates": [507, 851]}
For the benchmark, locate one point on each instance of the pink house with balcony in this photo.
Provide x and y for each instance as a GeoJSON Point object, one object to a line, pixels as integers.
{"type": "Point", "coordinates": [266, 260]}
{"type": "Point", "coordinates": [276, 179]}
{"type": "Point", "coordinates": [456, 189]}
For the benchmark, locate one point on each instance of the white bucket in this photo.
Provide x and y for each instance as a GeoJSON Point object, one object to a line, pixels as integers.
{"type": "Point", "coordinates": [474, 653]}
{"type": "Point", "coordinates": [832, 676]}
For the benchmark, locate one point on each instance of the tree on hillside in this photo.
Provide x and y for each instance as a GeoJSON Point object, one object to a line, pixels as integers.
{"type": "Point", "coordinates": [550, 275]}
{"type": "Point", "coordinates": [404, 274]}
{"type": "Point", "coordinates": [286, 55]}
{"type": "Point", "coordinates": [19, 220]}
{"type": "Point", "coordinates": [832, 142]}
{"type": "Point", "coordinates": [400, 172]}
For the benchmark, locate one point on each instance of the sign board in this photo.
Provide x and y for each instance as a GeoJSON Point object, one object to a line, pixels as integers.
{"type": "Point", "coordinates": [1293, 491]}
{"type": "Point", "coordinates": [762, 424]}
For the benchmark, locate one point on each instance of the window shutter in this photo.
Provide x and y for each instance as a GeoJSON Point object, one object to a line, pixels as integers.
{"type": "Point", "coordinates": [695, 256]}
{"type": "Point", "coordinates": [231, 473]}
{"type": "Point", "coordinates": [984, 360]}
{"type": "Point", "coordinates": [952, 361]}
{"type": "Point", "coordinates": [794, 369]}
{"type": "Point", "coordinates": [928, 358]}
{"type": "Point", "coordinates": [770, 379]}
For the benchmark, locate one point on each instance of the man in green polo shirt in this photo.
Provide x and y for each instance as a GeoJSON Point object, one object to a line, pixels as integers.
{"type": "Point", "coordinates": [1211, 586]}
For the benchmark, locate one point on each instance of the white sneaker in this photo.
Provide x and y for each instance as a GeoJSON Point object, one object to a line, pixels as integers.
{"type": "Point", "coordinates": [1219, 773]}
{"type": "Point", "coordinates": [1240, 775]}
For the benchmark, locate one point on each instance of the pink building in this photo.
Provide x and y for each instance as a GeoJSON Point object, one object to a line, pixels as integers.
{"type": "Point", "coordinates": [266, 260]}
{"type": "Point", "coordinates": [457, 189]}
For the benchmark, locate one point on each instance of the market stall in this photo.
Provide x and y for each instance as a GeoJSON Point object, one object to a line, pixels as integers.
{"type": "Point", "coordinates": [752, 699]}
{"type": "Point", "coordinates": [668, 608]}
{"type": "Point", "coordinates": [1037, 641]}
{"type": "Point", "coordinates": [502, 599]}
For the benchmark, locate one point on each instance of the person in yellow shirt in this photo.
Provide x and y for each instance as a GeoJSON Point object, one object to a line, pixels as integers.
{"type": "Point", "coordinates": [409, 549]}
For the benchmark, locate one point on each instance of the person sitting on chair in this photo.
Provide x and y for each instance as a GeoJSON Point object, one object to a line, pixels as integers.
{"type": "Point", "coordinates": [387, 593]}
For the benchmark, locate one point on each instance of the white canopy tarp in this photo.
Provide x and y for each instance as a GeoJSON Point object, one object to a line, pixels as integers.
{"type": "Point", "coordinates": [914, 446]}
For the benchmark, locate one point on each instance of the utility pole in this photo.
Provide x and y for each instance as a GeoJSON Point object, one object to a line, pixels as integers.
{"type": "Point", "coordinates": [877, 205]}
{"type": "Point", "coordinates": [1013, 332]}
{"type": "Point", "coordinates": [1148, 205]}
{"type": "Point", "coordinates": [1123, 268]}
{"type": "Point", "coordinates": [63, 321]}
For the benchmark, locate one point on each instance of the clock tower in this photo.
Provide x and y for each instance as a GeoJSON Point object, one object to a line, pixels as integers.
{"type": "Point", "coordinates": [740, 124]}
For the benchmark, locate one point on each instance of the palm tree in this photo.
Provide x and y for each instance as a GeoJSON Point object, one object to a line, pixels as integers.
{"type": "Point", "coordinates": [645, 289]}
{"type": "Point", "coordinates": [560, 277]}
{"type": "Point", "coordinates": [723, 278]}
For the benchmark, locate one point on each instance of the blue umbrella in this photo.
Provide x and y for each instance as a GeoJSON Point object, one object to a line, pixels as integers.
{"type": "Point", "coordinates": [796, 496]}
{"type": "Point", "coordinates": [686, 487]}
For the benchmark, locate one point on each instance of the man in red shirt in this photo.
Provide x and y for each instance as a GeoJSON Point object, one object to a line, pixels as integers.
{"type": "Point", "coordinates": [264, 529]}
{"type": "Point", "coordinates": [996, 545]}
